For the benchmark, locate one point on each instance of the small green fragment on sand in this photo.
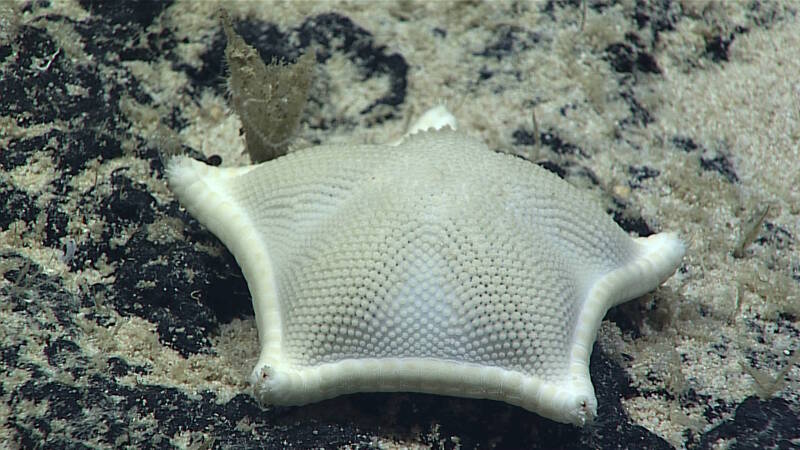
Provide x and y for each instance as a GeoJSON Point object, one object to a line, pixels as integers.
{"type": "Point", "coordinates": [767, 385]}
{"type": "Point", "coordinates": [750, 231]}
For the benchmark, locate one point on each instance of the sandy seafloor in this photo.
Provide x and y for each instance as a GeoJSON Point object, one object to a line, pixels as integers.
{"type": "Point", "coordinates": [124, 323]}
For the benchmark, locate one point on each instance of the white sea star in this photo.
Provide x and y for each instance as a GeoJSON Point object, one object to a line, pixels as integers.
{"type": "Point", "coordinates": [435, 265]}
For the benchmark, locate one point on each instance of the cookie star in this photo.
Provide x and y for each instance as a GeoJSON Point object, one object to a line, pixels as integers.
{"type": "Point", "coordinates": [434, 265]}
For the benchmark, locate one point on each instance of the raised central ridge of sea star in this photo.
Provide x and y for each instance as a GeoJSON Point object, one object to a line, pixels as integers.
{"type": "Point", "coordinates": [435, 265]}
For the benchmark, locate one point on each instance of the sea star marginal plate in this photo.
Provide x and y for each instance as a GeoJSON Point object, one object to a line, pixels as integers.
{"type": "Point", "coordinates": [436, 265]}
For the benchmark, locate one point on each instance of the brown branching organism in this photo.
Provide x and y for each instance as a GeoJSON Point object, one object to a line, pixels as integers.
{"type": "Point", "coordinates": [269, 98]}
